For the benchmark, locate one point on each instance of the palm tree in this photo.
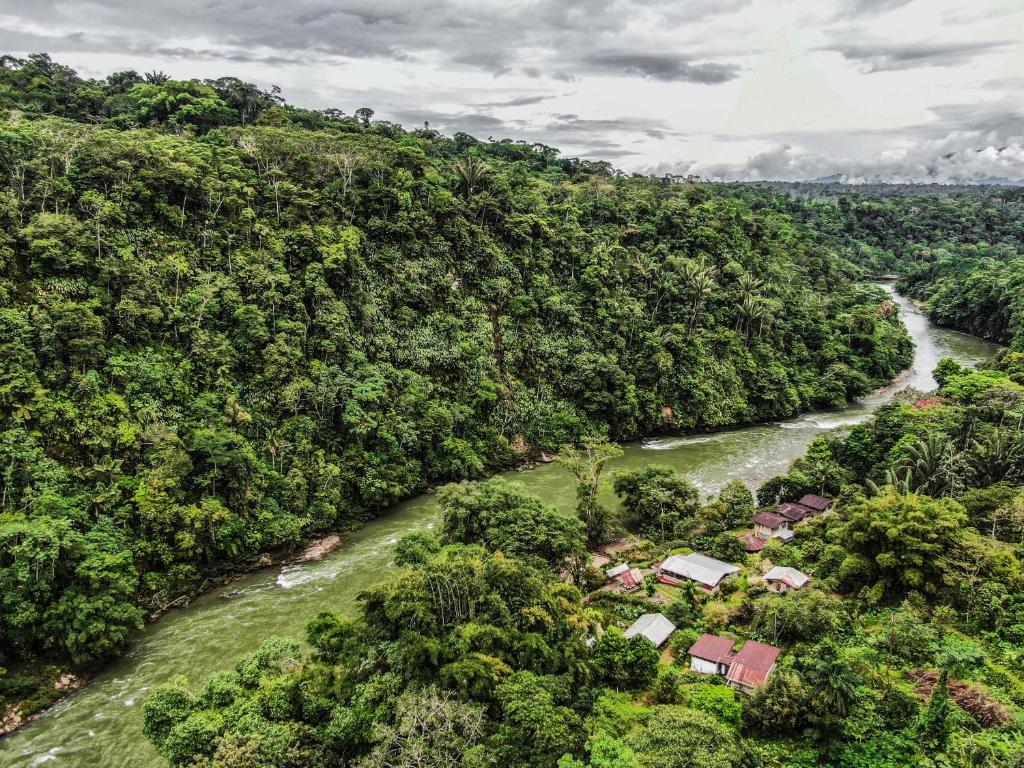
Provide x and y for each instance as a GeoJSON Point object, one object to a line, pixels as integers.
{"type": "Point", "coordinates": [471, 171]}
{"type": "Point", "coordinates": [748, 284]}
{"type": "Point", "coordinates": [929, 463]}
{"type": "Point", "coordinates": [995, 456]}
{"type": "Point", "coordinates": [700, 280]}
{"type": "Point", "coordinates": [751, 310]}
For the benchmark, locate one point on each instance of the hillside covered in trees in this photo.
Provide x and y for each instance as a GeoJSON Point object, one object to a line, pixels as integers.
{"type": "Point", "coordinates": [227, 324]}
{"type": "Point", "coordinates": [903, 651]}
{"type": "Point", "coordinates": [958, 248]}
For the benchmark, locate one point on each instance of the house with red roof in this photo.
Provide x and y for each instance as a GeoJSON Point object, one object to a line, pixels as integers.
{"type": "Point", "coordinates": [817, 504]}
{"type": "Point", "coordinates": [768, 525]}
{"type": "Point", "coordinates": [751, 666]}
{"type": "Point", "coordinates": [746, 670]}
{"type": "Point", "coordinates": [751, 542]}
{"type": "Point", "coordinates": [711, 655]}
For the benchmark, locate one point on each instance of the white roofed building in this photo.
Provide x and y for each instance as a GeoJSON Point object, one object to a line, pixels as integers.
{"type": "Point", "coordinates": [706, 571]}
{"type": "Point", "coordinates": [782, 579]}
{"type": "Point", "coordinates": [617, 570]}
{"type": "Point", "coordinates": [654, 626]}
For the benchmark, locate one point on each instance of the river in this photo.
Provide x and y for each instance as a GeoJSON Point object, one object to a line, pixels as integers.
{"type": "Point", "coordinates": [101, 725]}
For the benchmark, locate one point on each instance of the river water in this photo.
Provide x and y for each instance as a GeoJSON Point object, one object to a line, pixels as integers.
{"type": "Point", "coordinates": [101, 725]}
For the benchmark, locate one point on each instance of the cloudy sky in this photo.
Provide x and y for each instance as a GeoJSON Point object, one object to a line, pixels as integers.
{"type": "Point", "coordinates": [899, 90]}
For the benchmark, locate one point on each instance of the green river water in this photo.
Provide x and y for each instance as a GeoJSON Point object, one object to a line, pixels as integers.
{"type": "Point", "coordinates": [101, 725]}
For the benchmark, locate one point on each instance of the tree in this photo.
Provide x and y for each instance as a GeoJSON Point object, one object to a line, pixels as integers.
{"type": "Point", "coordinates": [625, 662]}
{"type": "Point", "coordinates": [658, 501]}
{"type": "Point", "coordinates": [504, 517]}
{"type": "Point", "coordinates": [834, 682]}
{"type": "Point", "coordinates": [586, 463]}
{"type": "Point", "coordinates": [182, 105]}
{"type": "Point", "coordinates": [685, 738]}
{"type": "Point", "coordinates": [738, 501]}
{"type": "Point", "coordinates": [605, 752]}
{"type": "Point", "coordinates": [364, 115]}
{"type": "Point", "coordinates": [934, 724]}
{"type": "Point", "coordinates": [895, 541]}
{"type": "Point", "coordinates": [780, 706]}
{"type": "Point", "coordinates": [535, 728]}
{"type": "Point", "coordinates": [431, 728]}
{"type": "Point", "coordinates": [471, 171]}
{"type": "Point", "coordinates": [805, 615]}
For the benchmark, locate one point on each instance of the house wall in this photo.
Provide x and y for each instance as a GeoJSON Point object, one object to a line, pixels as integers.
{"type": "Point", "coordinates": [776, 586]}
{"type": "Point", "coordinates": [762, 531]}
{"type": "Point", "coordinates": [703, 666]}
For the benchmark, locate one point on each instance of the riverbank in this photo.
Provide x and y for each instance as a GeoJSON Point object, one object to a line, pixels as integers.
{"type": "Point", "coordinates": [101, 724]}
{"type": "Point", "coordinates": [52, 683]}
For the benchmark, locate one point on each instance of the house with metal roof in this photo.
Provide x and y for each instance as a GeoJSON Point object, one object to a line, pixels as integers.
{"type": "Point", "coordinates": [751, 666]}
{"type": "Point", "coordinates": [751, 542]}
{"type": "Point", "coordinates": [768, 525]}
{"type": "Point", "coordinates": [745, 670]}
{"type": "Point", "coordinates": [783, 579]}
{"type": "Point", "coordinates": [707, 572]}
{"type": "Point", "coordinates": [617, 570]}
{"type": "Point", "coordinates": [818, 504]}
{"type": "Point", "coordinates": [711, 655]}
{"type": "Point", "coordinates": [654, 626]}
{"type": "Point", "coordinates": [795, 513]}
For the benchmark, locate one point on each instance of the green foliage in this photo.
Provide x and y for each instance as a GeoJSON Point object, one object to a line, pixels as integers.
{"type": "Point", "coordinates": [719, 701]}
{"type": "Point", "coordinates": [806, 614]}
{"type": "Point", "coordinates": [503, 517]}
{"type": "Point", "coordinates": [625, 662]}
{"type": "Point", "coordinates": [586, 463]}
{"type": "Point", "coordinates": [895, 541]}
{"type": "Point", "coordinates": [229, 324]}
{"type": "Point", "coordinates": [658, 501]}
{"type": "Point", "coordinates": [685, 738]}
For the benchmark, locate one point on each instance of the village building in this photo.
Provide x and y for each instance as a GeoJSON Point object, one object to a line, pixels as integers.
{"type": "Point", "coordinates": [795, 513]}
{"type": "Point", "coordinates": [654, 626]}
{"type": "Point", "coordinates": [707, 572]}
{"type": "Point", "coordinates": [809, 506]}
{"type": "Point", "coordinates": [783, 579]}
{"type": "Point", "coordinates": [745, 670]}
{"type": "Point", "coordinates": [617, 570]}
{"type": "Point", "coordinates": [752, 542]}
{"type": "Point", "coordinates": [817, 504]}
{"type": "Point", "coordinates": [631, 580]}
{"type": "Point", "coordinates": [768, 525]}
{"type": "Point", "coordinates": [711, 655]}
{"type": "Point", "coordinates": [751, 666]}
{"type": "Point", "coordinates": [627, 579]}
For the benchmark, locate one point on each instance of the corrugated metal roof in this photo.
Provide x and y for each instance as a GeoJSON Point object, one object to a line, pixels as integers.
{"type": "Point", "coordinates": [712, 648]}
{"type": "Point", "coordinates": [752, 542]}
{"type": "Point", "coordinates": [794, 512]}
{"type": "Point", "coordinates": [819, 503]}
{"type": "Point", "coordinates": [741, 674]}
{"type": "Point", "coordinates": [617, 570]}
{"type": "Point", "coordinates": [758, 655]}
{"type": "Point", "coordinates": [790, 576]}
{"type": "Point", "coordinates": [654, 626]}
{"type": "Point", "coordinates": [700, 568]}
{"type": "Point", "coordinates": [752, 665]}
{"type": "Point", "coordinates": [631, 578]}
{"type": "Point", "coordinates": [770, 519]}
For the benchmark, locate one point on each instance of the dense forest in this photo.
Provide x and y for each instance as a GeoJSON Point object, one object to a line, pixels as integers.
{"type": "Point", "coordinates": [228, 324]}
{"type": "Point", "coordinates": [959, 250]}
{"type": "Point", "coordinates": [904, 652]}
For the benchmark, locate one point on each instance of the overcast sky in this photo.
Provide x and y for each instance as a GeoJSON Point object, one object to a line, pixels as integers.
{"type": "Point", "coordinates": [899, 90]}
